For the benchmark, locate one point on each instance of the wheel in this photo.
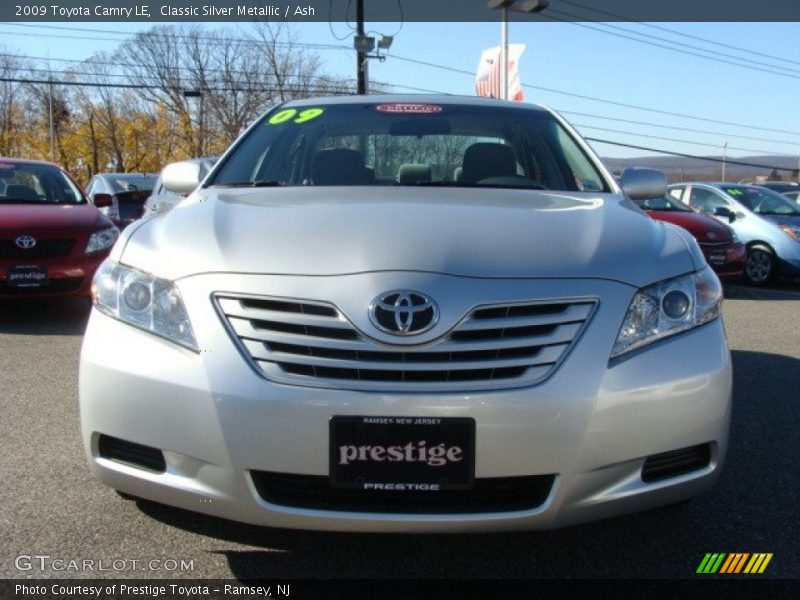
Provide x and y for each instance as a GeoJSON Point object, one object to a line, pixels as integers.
{"type": "Point", "coordinates": [760, 265]}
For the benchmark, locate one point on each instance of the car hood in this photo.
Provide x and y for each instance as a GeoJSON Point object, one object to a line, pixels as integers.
{"type": "Point", "coordinates": [32, 218]}
{"type": "Point", "coordinates": [702, 227]}
{"type": "Point", "coordinates": [463, 231]}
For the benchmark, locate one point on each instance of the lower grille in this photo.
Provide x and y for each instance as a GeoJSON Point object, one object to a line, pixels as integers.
{"type": "Point", "coordinates": [54, 286]}
{"type": "Point", "coordinates": [130, 453]}
{"type": "Point", "coordinates": [677, 462]}
{"type": "Point", "coordinates": [500, 494]}
{"type": "Point", "coordinates": [42, 249]}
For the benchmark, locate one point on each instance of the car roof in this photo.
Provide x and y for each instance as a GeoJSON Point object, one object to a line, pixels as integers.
{"type": "Point", "coordinates": [28, 161]}
{"type": "Point", "coordinates": [460, 100]}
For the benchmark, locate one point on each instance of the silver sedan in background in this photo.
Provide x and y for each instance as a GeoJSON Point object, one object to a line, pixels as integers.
{"type": "Point", "coordinates": [409, 314]}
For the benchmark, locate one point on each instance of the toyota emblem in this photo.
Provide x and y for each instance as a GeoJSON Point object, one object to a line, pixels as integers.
{"type": "Point", "coordinates": [25, 241]}
{"type": "Point", "coordinates": [403, 312]}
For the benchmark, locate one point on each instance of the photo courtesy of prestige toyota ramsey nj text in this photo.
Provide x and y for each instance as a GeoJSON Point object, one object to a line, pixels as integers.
{"type": "Point", "coordinates": [407, 314]}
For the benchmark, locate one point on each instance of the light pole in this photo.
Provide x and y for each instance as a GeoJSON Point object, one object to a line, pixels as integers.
{"type": "Point", "coordinates": [528, 6]}
{"type": "Point", "coordinates": [197, 94]}
{"type": "Point", "coordinates": [724, 158]}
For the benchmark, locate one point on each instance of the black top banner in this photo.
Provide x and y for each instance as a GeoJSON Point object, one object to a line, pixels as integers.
{"type": "Point", "coordinates": [398, 10]}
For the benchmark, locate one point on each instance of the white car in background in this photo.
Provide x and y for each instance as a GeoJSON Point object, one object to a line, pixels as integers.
{"type": "Point", "coordinates": [163, 200]}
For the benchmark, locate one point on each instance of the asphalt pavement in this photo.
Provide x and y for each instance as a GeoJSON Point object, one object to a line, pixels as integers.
{"type": "Point", "coordinates": [52, 507]}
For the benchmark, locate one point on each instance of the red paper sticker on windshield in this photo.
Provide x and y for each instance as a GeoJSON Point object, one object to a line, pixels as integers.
{"type": "Point", "coordinates": [409, 108]}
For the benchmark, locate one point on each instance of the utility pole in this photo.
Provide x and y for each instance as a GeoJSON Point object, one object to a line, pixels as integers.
{"type": "Point", "coordinates": [361, 57]}
{"type": "Point", "coordinates": [724, 158]}
{"type": "Point", "coordinates": [50, 115]}
{"type": "Point", "coordinates": [504, 54]}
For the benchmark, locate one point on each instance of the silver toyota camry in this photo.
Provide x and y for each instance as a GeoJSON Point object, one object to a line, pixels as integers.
{"type": "Point", "coordinates": [407, 313]}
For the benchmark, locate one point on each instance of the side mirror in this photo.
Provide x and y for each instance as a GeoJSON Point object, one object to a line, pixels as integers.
{"type": "Point", "coordinates": [725, 212]}
{"type": "Point", "coordinates": [102, 200]}
{"type": "Point", "coordinates": [181, 178]}
{"type": "Point", "coordinates": [643, 184]}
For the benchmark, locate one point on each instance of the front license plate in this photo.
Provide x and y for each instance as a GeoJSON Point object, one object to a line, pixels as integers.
{"type": "Point", "coordinates": [26, 276]}
{"type": "Point", "coordinates": [717, 259]}
{"type": "Point", "coordinates": [402, 453]}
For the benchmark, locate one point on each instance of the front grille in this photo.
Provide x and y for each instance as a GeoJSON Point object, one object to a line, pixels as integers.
{"type": "Point", "coordinates": [677, 462]}
{"type": "Point", "coordinates": [42, 249]}
{"type": "Point", "coordinates": [306, 342]}
{"type": "Point", "coordinates": [497, 494]}
{"type": "Point", "coordinates": [54, 286]}
{"type": "Point", "coordinates": [130, 453]}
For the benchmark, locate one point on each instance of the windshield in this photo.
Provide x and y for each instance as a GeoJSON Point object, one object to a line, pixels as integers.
{"type": "Point", "coordinates": [762, 200]}
{"type": "Point", "coordinates": [667, 203]}
{"type": "Point", "coordinates": [131, 182]}
{"type": "Point", "coordinates": [34, 183]}
{"type": "Point", "coordinates": [413, 144]}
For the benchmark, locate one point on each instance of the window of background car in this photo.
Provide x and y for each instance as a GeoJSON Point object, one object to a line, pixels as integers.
{"type": "Point", "coordinates": [667, 203]}
{"type": "Point", "coordinates": [32, 183]}
{"type": "Point", "coordinates": [762, 201]}
{"type": "Point", "coordinates": [449, 145]}
{"type": "Point", "coordinates": [706, 200]}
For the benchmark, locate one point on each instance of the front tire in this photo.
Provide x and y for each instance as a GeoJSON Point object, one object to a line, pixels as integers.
{"type": "Point", "coordinates": [760, 266]}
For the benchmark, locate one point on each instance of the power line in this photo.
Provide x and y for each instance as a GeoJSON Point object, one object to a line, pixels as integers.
{"type": "Point", "coordinates": [471, 74]}
{"type": "Point", "coordinates": [669, 139]}
{"type": "Point", "coordinates": [735, 63]}
{"type": "Point", "coordinates": [301, 89]}
{"type": "Point", "coordinates": [708, 158]}
{"type": "Point", "coordinates": [676, 128]}
{"type": "Point", "coordinates": [680, 33]}
{"type": "Point", "coordinates": [680, 47]}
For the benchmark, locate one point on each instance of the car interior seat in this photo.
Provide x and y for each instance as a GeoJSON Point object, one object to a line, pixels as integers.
{"type": "Point", "coordinates": [338, 166]}
{"type": "Point", "coordinates": [486, 159]}
{"type": "Point", "coordinates": [21, 192]}
{"type": "Point", "coordinates": [413, 173]}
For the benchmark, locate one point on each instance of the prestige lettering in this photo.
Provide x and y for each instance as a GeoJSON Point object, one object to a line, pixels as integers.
{"type": "Point", "coordinates": [433, 456]}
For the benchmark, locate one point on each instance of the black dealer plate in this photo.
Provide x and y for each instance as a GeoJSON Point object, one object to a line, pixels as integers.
{"type": "Point", "coordinates": [26, 276]}
{"type": "Point", "coordinates": [402, 453]}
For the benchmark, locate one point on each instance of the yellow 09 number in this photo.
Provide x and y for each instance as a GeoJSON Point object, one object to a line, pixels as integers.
{"type": "Point", "coordinates": [291, 114]}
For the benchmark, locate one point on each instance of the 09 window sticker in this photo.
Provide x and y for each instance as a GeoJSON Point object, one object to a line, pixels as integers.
{"type": "Point", "coordinates": [292, 115]}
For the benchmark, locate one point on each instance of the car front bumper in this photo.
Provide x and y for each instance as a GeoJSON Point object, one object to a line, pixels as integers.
{"type": "Point", "coordinates": [67, 276]}
{"type": "Point", "coordinates": [592, 424]}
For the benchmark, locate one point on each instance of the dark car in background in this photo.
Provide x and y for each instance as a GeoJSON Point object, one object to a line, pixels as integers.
{"type": "Point", "coordinates": [121, 195]}
{"type": "Point", "coordinates": [722, 249]}
{"type": "Point", "coordinates": [782, 187]}
{"type": "Point", "coordinates": [51, 238]}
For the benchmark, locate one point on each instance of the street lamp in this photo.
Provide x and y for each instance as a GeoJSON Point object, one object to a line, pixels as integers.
{"type": "Point", "coordinates": [197, 94]}
{"type": "Point", "coordinates": [528, 6]}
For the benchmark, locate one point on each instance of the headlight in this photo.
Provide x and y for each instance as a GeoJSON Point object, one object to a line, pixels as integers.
{"type": "Point", "coordinates": [793, 231]}
{"type": "Point", "coordinates": [669, 307]}
{"type": "Point", "coordinates": [144, 301]}
{"type": "Point", "coordinates": [101, 240]}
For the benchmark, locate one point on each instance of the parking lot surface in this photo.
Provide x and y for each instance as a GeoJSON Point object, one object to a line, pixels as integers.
{"type": "Point", "coordinates": [52, 506]}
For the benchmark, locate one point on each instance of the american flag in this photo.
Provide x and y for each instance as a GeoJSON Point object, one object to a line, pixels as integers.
{"type": "Point", "coordinates": [487, 80]}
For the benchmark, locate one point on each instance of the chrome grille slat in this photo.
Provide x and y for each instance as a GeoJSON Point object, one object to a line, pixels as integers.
{"type": "Point", "coordinates": [312, 343]}
{"type": "Point", "coordinates": [544, 356]}
{"type": "Point", "coordinates": [245, 330]}
{"type": "Point", "coordinates": [234, 308]}
{"type": "Point", "coordinates": [576, 312]}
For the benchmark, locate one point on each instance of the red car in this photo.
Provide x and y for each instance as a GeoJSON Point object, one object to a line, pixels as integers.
{"type": "Point", "coordinates": [723, 251]}
{"type": "Point", "coordinates": [51, 238]}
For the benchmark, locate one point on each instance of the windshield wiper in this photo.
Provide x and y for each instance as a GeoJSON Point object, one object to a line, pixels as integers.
{"type": "Point", "coordinates": [257, 183]}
